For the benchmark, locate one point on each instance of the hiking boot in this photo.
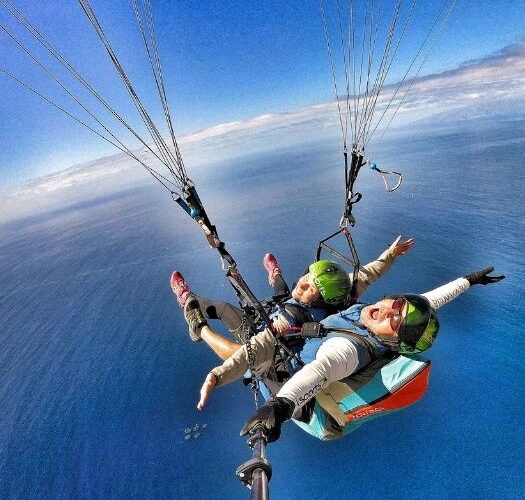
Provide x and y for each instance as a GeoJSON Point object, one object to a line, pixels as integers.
{"type": "Point", "coordinates": [272, 266]}
{"type": "Point", "coordinates": [179, 287]}
{"type": "Point", "coordinates": [195, 319]}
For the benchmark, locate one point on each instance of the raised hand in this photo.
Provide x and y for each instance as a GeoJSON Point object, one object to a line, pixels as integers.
{"type": "Point", "coordinates": [399, 247]}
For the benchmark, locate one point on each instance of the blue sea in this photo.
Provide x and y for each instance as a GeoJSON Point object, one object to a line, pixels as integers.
{"type": "Point", "coordinates": [99, 380]}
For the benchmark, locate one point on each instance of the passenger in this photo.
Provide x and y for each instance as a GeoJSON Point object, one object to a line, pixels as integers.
{"type": "Point", "coordinates": [323, 290]}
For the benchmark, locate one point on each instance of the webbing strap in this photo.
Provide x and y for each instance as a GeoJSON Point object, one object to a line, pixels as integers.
{"type": "Point", "coordinates": [351, 173]}
{"type": "Point", "coordinates": [361, 340]}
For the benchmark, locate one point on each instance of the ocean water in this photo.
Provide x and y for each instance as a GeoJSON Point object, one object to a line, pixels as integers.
{"type": "Point", "coordinates": [98, 378]}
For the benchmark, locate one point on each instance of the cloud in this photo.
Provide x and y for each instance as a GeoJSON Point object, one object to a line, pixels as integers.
{"type": "Point", "coordinates": [476, 87]}
{"type": "Point", "coordinates": [101, 178]}
{"type": "Point", "coordinates": [498, 76]}
{"type": "Point", "coordinates": [494, 85]}
{"type": "Point", "coordinates": [86, 174]}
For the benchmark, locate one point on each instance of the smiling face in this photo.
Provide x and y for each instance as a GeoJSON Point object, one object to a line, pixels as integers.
{"type": "Point", "coordinates": [305, 291]}
{"type": "Point", "coordinates": [384, 317]}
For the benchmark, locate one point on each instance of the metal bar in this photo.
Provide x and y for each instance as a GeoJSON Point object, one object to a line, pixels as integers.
{"type": "Point", "coordinates": [256, 472]}
{"type": "Point", "coordinates": [340, 256]}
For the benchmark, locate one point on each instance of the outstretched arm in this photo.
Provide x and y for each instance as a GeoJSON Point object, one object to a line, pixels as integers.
{"type": "Point", "coordinates": [262, 347]}
{"type": "Point", "coordinates": [374, 270]}
{"type": "Point", "coordinates": [445, 293]}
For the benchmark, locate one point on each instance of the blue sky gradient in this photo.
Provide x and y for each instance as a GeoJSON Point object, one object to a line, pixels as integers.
{"type": "Point", "coordinates": [223, 61]}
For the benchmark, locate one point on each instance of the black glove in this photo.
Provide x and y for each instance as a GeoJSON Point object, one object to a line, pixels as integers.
{"type": "Point", "coordinates": [272, 415]}
{"type": "Point", "coordinates": [482, 278]}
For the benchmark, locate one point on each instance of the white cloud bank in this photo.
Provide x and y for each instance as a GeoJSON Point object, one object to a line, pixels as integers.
{"type": "Point", "coordinates": [487, 84]}
{"type": "Point", "coordinates": [492, 86]}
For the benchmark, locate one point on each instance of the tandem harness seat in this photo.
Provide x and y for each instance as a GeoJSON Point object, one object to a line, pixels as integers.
{"type": "Point", "coordinates": [385, 386]}
{"type": "Point", "coordinates": [388, 384]}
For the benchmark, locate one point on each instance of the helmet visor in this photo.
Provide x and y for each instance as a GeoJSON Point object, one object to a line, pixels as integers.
{"type": "Point", "coordinates": [415, 321]}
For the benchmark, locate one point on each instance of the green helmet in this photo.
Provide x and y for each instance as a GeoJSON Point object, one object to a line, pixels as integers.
{"type": "Point", "coordinates": [419, 328]}
{"type": "Point", "coordinates": [331, 280]}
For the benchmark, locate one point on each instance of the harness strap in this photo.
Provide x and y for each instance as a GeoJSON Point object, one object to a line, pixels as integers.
{"type": "Point", "coordinates": [316, 330]}
{"type": "Point", "coordinates": [301, 314]}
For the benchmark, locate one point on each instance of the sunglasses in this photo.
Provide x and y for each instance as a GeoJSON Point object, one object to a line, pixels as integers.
{"type": "Point", "coordinates": [397, 318]}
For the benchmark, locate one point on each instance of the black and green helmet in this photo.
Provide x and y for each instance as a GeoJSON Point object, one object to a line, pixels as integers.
{"type": "Point", "coordinates": [419, 328]}
{"type": "Point", "coordinates": [331, 280]}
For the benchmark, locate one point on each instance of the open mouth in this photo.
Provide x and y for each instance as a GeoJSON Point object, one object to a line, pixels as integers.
{"type": "Point", "coordinates": [373, 313]}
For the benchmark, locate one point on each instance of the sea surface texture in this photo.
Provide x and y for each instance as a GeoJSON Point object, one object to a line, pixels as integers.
{"type": "Point", "coordinates": [99, 380]}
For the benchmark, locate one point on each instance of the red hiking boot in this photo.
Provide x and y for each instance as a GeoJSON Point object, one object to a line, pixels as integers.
{"type": "Point", "coordinates": [272, 266]}
{"type": "Point", "coordinates": [179, 287]}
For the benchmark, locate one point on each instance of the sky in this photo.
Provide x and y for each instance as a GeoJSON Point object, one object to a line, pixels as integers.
{"type": "Point", "coordinates": [222, 62]}
{"type": "Point", "coordinates": [492, 87]}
